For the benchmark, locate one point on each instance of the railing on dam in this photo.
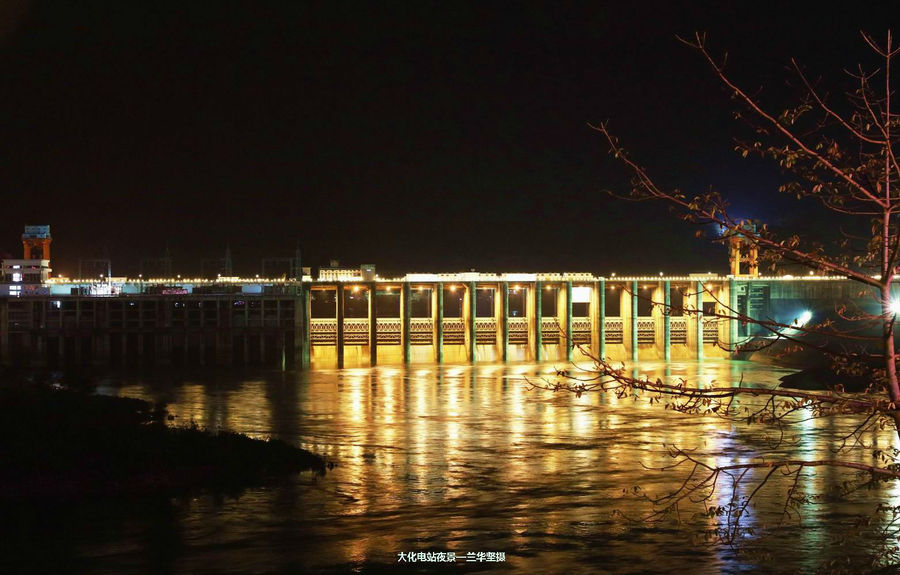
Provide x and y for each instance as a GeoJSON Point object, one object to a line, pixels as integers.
{"type": "Point", "coordinates": [421, 331]}
{"type": "Point", "coordinates": [615, 330]}
{"type": "Point", "coordinates": [485, 331]}
{"type": "Point", "coordinates": [518, 331]}
{"type": "Point", "coordinates": [581, 331]}
{"type": "Point", "coordinates": [389, 330]}
{"type": "Point", "coordinates": [454, 331]}
{"type": "Point", "coordinates": [678, 330]}
{"type": "Point", "coordinates": [356, 331]}
{"type": "Point", "coordinates": [646, 330]}
{"type": "Point", "coordinates": [711, 330]}
{"type": "Point", "coordinates": [550, 330]}
{"type": "Point", "coordinates": [323, 332]}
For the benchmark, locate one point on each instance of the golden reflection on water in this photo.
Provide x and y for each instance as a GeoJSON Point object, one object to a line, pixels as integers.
{"type": "Point", "coordinates": [468, 458]}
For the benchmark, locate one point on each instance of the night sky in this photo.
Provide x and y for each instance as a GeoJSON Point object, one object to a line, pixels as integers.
{"type": "Point", "coordinates": [434, 137]}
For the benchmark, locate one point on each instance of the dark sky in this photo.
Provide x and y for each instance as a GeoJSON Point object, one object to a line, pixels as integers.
{"type": "Point", "coordinates": [439, 137]}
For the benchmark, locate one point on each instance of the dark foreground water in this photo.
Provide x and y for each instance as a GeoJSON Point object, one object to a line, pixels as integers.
{"type": "Point", "coordinates": [451, 459]}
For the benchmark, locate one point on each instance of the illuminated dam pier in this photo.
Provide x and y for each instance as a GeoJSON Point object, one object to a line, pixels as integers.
{"type": "Point", "coordinates": [470, 317]}
{"type": "Point", "coordinates": [419, 318]}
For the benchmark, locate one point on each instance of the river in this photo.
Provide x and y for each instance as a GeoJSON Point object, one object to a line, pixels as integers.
{"type": "Point", "coordinates": [461, 459]}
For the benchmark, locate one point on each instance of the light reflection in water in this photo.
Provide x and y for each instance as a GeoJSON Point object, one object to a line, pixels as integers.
{"type": "Point", "coordinates": [462, 458]}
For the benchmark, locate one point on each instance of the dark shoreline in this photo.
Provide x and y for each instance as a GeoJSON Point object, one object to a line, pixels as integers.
{"type": "Point", "coordinates": [70, 443]}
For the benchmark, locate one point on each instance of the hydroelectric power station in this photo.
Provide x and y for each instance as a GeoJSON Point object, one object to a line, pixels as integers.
{"type": "Point", "coordinates": [353, 317]}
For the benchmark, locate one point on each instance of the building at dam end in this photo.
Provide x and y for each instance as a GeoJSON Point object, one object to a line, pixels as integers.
{"type": "Point", "coordinates": [353, 317]}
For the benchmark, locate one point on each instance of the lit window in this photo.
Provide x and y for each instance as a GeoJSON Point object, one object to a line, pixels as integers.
{"type": "Point", "coordinates": [17, 276]}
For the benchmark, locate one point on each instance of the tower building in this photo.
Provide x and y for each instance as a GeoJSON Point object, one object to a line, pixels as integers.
{"type": "Point", "coordinates": [36, 243]}
{"type": "Point", "coordinates": [34, 267]}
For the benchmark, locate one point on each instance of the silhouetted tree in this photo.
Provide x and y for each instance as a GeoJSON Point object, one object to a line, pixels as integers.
{"type": "Point", "coordinates": [840, 153]}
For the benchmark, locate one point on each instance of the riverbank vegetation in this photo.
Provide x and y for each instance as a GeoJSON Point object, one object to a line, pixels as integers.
{"type": "Point", "coordinates": [62, 442]}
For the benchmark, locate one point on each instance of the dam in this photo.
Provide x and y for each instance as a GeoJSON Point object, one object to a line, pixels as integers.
{"type": "Point", "coordinates": [354, 317]}
{"type": "Point", "coordinates": [418, 318]}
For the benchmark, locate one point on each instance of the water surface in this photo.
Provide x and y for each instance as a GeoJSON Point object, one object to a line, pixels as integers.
{"type": "Point", "coordinates": [452, 459]}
